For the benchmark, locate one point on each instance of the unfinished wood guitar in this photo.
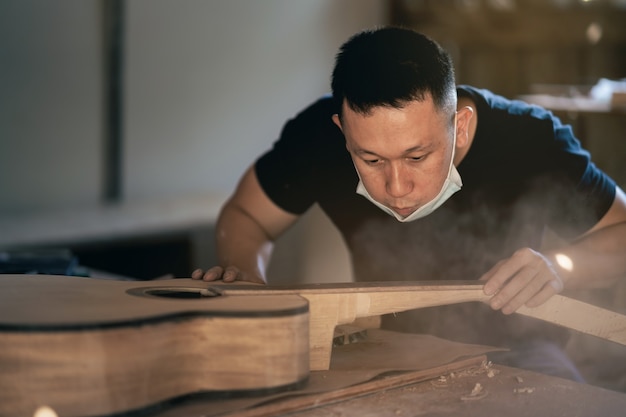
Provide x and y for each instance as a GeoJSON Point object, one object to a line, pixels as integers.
{"type": "Point", "coordinates": [90, 347]}
{"type": "Point", "coordinates": [87, 347]}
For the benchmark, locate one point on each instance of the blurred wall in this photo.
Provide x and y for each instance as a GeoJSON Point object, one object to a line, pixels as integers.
{"type": "Point", "coordinates": [50, 104]}
{"type": "Point", "coordinates": [559, 47]}
{"type": "Point", "coordinates": [210, 83]}
{"type": "Point", "coordinates": [207, 88]}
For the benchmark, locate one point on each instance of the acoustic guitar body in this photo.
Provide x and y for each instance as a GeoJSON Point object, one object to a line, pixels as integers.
{"type": "Point", "coordinates": [87, 347]}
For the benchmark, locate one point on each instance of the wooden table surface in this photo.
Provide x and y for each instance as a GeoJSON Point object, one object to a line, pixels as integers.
{"type": "Point", "coordinates": [511, 392]}
{"type": "Point", "coordinates": [477, 388]}
{"type": "Point", "coordinates": [506, 392]}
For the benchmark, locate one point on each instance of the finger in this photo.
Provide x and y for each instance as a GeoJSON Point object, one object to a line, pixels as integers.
{"type": "Point", "coordinates": [539, 281]}
{"type": "Point", "coordinates": [197, 274]}
{"type": "Point", "coordinates": [504, 270]}
{"type": "Point", "coordinates": [517, 291]}
{"type": "Point", "coordinates": [554, 285]}
{"type": "Point", "coordinates": [532, 285]}
{"type": "Point", "coordinates": [488, 275]}
{"type": "Point", "coordinates": [213, 274]}
{"type": "Point", "coordinates": [230, 274]}
{"type": "Point", "coordinates": [500, 274]}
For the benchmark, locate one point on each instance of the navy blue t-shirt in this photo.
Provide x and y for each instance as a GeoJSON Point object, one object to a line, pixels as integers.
{"type": "Point", "coordinates": [524, 174]}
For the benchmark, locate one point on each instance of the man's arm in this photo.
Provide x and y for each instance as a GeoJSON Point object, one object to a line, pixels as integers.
{"type": "Point", "coordinates": [246, 229]}
{"type": "Point", "coordinates": [596, 259]}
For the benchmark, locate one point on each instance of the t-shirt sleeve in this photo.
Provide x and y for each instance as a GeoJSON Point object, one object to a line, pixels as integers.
{"type": "Point", "coordinates": [286, 171]}
{"type": "Point", "coordinates": [559, 181]}
{"type": "Point", "coordinates": [594, 190]}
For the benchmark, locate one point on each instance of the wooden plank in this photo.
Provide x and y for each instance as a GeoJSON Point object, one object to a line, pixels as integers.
{"type": "Point", "coordinates": [333, 304]}
{"type": "Point", "coordinates": [300, 403]}
{"type": "Point", "coordinates": [582, 317]}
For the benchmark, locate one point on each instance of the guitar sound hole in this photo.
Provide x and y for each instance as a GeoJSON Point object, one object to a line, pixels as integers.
{"type": "Point", "coordinates": [185, 293]}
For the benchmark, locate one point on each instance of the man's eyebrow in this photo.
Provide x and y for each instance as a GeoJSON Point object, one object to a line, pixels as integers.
{"type": "Point", "coordinates": [361, 151]}
{"type": "Point", "coordinates": [418, 148]}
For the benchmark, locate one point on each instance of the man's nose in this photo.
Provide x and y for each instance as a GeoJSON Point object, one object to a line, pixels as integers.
{"type": "Point", "coordinates": [398, 181]}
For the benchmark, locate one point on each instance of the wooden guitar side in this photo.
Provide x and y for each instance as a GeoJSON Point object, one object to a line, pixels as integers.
{"type": "Point", "coordinates": [89, 347]}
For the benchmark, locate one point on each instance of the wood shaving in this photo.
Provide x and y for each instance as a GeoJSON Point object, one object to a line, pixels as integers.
{"type": "Point", "coordinates": [478, 392]}
{"type": "Point", "coordinates": [440, 382]}
{"type": "Point", "coordinates": [484, 368]}
{"type": "Point", "coordinates": [524, 390]}
{"type": "Point", "coordinates": [490, 371]}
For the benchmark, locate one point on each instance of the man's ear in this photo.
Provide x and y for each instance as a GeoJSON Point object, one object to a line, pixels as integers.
{"type": "Point", "coordinates": [463, 117]}
{"type": "Point", "coordinates": [336, 120]}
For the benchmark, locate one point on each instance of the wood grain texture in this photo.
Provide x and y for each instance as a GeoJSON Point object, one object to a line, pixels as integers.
{"type": "Point", "coordinates": [382, 354]}
{"type": "Point", "coordinates": [342, 303]}
{"type": "Point", "coordinates": [333, 304]}
{"type": "Point", "coordinates": [580, 316]}
{"type": "Point", "coordinates": [304, 402]}
{"type": "Point", "coordinates": [86, 347]}
{"type": "Point", "coordinates": [90, 347]}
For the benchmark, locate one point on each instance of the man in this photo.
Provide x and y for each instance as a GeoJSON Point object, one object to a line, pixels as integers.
{"type": "Point", "coordinates": [429, 181]}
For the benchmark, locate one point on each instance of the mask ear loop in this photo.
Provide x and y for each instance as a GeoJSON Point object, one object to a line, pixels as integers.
{"type": "Point", "coordinates": [456, 114]}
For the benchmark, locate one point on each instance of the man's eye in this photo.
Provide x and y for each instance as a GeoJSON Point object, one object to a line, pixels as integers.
{"type": "Point", "coordinates": [416, 158]}
{"type": "Point", "coordinates": [371, 161]}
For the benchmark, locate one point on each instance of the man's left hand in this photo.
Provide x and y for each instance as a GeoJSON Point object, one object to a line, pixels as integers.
{"type": "Point", "coordinates": [526, 278]}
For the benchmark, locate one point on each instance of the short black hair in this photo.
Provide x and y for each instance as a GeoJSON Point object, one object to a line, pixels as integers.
{"type": "Point", "coordinates": [392, 66]}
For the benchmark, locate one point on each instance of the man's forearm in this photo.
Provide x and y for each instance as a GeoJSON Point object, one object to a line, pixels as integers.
{"type": "Point", "coordinates": [242, 243]}
{"type": "Point", "coordinates": [597, 260]}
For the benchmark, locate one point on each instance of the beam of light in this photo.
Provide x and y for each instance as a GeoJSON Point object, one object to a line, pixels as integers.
{"type": "Point", "coordinates": [564, 261]}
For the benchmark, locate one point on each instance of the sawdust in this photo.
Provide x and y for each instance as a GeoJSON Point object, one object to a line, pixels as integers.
{"type": "Point", "coordinates": [478, 392]}
{"type": "Point", "coordinates": [522, 390]}
{"type": "Point", "coordinates": [486, 367]}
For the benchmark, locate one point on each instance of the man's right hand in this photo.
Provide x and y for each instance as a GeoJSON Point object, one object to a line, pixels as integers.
{"type": "Point", "coordinates": [228, 274]}
{"type": "Point", "coordinates": [246, 228]}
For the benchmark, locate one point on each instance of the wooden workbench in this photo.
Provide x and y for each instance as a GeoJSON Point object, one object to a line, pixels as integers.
{"type": "Point", "coordinates": [511, 392]}
{"type": "Point", "coordinates": [502, 391]}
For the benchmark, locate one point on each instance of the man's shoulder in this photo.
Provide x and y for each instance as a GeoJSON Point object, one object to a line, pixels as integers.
{"type": "Point", "coordinates": [323, 106]}
{"type": "Point", "coordinates": [495, 104]}
{"type": "Point", "coordinates": [313, 125]}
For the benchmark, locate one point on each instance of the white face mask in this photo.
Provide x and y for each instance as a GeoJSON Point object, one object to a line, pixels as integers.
{"type": "Point", "coordinates": [451, 185]}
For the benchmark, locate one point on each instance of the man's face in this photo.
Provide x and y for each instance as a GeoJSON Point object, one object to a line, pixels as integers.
{"type": "Point", "coordinates": [402, 155]}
